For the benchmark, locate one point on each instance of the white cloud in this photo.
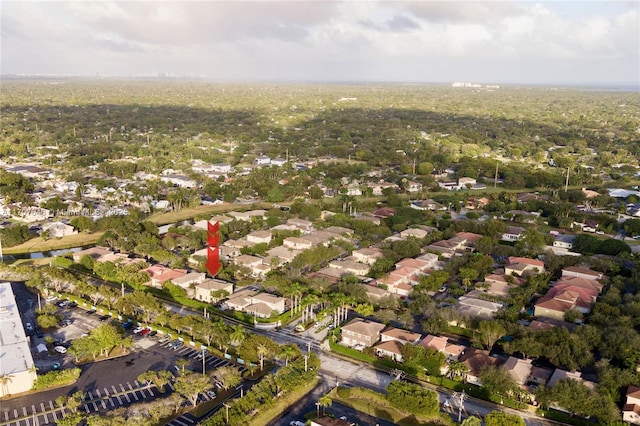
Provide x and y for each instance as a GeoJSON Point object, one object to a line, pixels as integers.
{"type": "Point", "coordinates": [415, 40]}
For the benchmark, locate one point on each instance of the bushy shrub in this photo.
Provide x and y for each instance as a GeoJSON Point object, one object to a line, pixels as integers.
{"type": "Point", "coordinates": [56, 378]}
{"type": "Point", "coordinates": [344, 392]}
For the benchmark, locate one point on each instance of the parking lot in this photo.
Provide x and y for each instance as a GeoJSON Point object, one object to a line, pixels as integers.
{"type": "Point", "coordinates": [108, 384]}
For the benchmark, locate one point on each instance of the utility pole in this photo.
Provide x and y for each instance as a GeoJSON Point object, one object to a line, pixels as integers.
{"type": "Point", "coordinates": [461, 397]}
{"type": "Point", "coordinates": [495, 179]}
{"type": "Point", "coordinates": [203, 360]}
{"type": "Point", "coordinates": [122, 288]}
{"type": "Point", "coordinates": [566, 183]}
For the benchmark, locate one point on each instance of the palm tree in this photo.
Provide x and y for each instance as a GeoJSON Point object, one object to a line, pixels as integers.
{"type": "Point", "coordinates": [457, 368]}
{"type": "Point", "coordinates": [287, 352]}
{"type": "Point", "coordinates": [237, 336]}
{"type": "Point", "coordinates": [4, 382]}
{"type": "Point", "coordinates": [262, 352]}
{"type": "Point", "coordinates": [325, 401]}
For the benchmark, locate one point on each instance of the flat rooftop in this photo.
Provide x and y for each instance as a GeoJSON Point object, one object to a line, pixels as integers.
{"type": "Point", "coordinates": [15, 355]}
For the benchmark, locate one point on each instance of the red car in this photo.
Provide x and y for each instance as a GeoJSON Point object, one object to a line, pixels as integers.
{"type": "Point", "coordinates": [145, 332]}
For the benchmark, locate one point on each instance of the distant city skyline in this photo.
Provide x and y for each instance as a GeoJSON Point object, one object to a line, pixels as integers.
{"type": "Point", "coordinates": [498, 42]}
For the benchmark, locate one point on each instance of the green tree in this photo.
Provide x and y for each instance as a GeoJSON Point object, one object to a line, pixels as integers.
{"type": "Point", "coordinates": [190, 385]}
{"type": "Point", "coordinates": [497, 380]}
{"type": "Point", "coordinates": [413, 398]}
{"type": "Point", "coordinates": [499, 418]}
{"type": "Point", "coordinates": [489, 332]}
{"type": "Point", "coordinates": [228, 376]}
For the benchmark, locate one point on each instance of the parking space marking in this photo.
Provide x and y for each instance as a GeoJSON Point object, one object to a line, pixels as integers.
{"type": "Point", "coordinates": [42, 405]}
{"type": "Point", "coordinates": [122, 388]}
{"type": "Point", "coordinates": [126, 395]}
{"type": "Point", "coordinates": [55, 415]}
{"type": "Point", "coordinates": [98, 393]}
{"type": "Point", "coordinates": [130, 387]}
{"type": "Point", "coordinates": [89, 395]}
{"type": "Point", "coordinates": [119, 400]}
{"type": "Point", "coordinates": [95, 405]}
{"type": "Point", "coordinates": [114, 389]}
{"type": "Point", "coordinates": [134, 396]}
{"type": "Point", "coordinates": [112, 403]}
{"type": "Point", "coordinates": [24, 411]}
{"type": "Point", "coordinates": [106, 392]}
{"type": "Point", "coordinates": [104, 404]}
{"type": "Point", "coordinates": [6, 416]}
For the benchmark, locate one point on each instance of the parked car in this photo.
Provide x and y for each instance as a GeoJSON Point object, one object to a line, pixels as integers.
{"type": "Point", "coordinates": [137, 330]}
{"type": "Point", "coordinates": [71, 305]}
{"type": "Point", "coordinates": [60, 349]}
{"type": "Point", "coordinates": [65, 322]}
{"type": "Point", "coordinates": [62, 303]}
{"type": "Point", "coordinates": [103, 317]}
{"type": "Point", "coordinates": [91, 311]}
{"type": "Point", "coordinates": [145, 332]}
{"type": "Point", "coordinates": [165, 338]}
{"type": "Point", "coordinates": [177, 345]}
{"type": "Point", "coordinates": [152, 333]}
{"type": "Point", "coordinates": [127, 325]}
{"type": "Point", "coordinates": [39, 333]}
{"type": "Point", "coordinates": [51, 298]}
{"type": "Point", "coordinates": [56, 366]}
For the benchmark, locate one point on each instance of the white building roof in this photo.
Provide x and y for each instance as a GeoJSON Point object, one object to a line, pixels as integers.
{"type": "Point", "coordinates": [15, 355]}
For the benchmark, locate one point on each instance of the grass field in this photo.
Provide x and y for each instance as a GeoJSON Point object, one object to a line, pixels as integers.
{"type": "Point", "coordinates": [380, 408]}
{"type": "Point", "coordinates": [39, 244]}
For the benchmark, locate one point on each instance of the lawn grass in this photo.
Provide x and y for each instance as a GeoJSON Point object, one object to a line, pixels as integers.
{"type": "Point", "coordinates": [375, 404]}
{"type": "Point", "coordinates": [266, 416]}
{"type": "Point", "coordinates": [40, 244]}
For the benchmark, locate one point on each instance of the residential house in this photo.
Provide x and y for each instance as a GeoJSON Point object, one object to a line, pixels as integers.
{"type": "Point", "coordinates": [433, 260]}
{"type": "Point", "coordinates": [254, 263]}
{"type": "Point", "coordinates": [282, 254]}
{"type": "Point", "coordinates": [518, 369]}
{"type": "Point", "coordinates": [384, 212]}
{"type": "Point", "coordinates": [160, 274]}
{"type": "Point", "coordinates": [400, 335]}
{"type": "Point", "coordinates": [564, 241]}
{"type": "Point", "coordinates": [559, 374]}
{"type": "Point", "coordinates": [212, 290]}
{"type": "Point", "coordinates": [519, 266]}
{"type": "Point", "coordinates": [339, 230]}
{"type": "Point", "coordinates": [499, 284]}
{"type": "Point", "coordinates": [368, 255]}
{"type": "Point", "coordinates": [262, 160]}
{"type": "Point", "coordinates": [414, 232]}
{"type": "Point", "coordinates": [520, 216]}
{"type": "Point", "coordinates": [199, 255]}
{"type": "Point", "coordinates": [296, 243]}
{"type": "Point", "coordinates": [413, 187]}
{"type": "Point", "coordinates": [181, 181]}
{"type": "Point", "coordinates": [188, 281]}
{"type": "Point", "coordinates": [631, 409]}
{"type": "Point", "coordinates": [477, 203]}
{"type": "Point", "coordinates": [562, 298]}
{"type": "Point", "coordinates": [259, 237]}
{"type": "Point", "coordinates": [540, 376]}
{"type": "Point", "coordinates": [582, 272]}
{"type": "Point", "coordinates": [477, 308]}
{"type": "Point", "coordinates": [391, 349]}
{"type": "Point", "coordinates": [263, 305]}
{"type": "Point", "coordinates": [429, 204]}
{"type": "Point", "coordinates": [303, 225]}
{"type": "Point", "coordinates": [476, 360]}
{"type": "Point", "coordinates": [513, 233]}
{"type": "Point", "coordinates": [350, 267]}
{"type": "Point", "coordinates": [466, 182]}
{"type": "Point", "coordinates": [419, 266]}
{"type": "Point", "coordinates": [360, 333]}
{"type": "Point", "coordinates": [278, 162]}
{"type": "Point", "coordinates": [94, 252]}
{"type": "Point", "coordinates": [240, 299]}
{"type": "Point", "coordinates": [375, 292]}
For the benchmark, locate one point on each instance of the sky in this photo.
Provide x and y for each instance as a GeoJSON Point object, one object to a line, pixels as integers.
{"type": "Point", "coordinates": [491, 42]}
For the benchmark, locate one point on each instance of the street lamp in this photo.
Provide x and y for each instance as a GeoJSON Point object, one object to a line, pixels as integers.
{"type": "Point", "coordinates": [317, 410]}
{"type": "Point", "coordinates": [460, 396]}
{"type": "Point", "coordinates": [203, 360]}
{"type": "Point", "coordinates": [227, 406]}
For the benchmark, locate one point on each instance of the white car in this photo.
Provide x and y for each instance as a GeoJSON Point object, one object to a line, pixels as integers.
{"type": "Point", "coordinates": [137, 330]}
{"type": "Point", "coordinates": [60, 349]}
